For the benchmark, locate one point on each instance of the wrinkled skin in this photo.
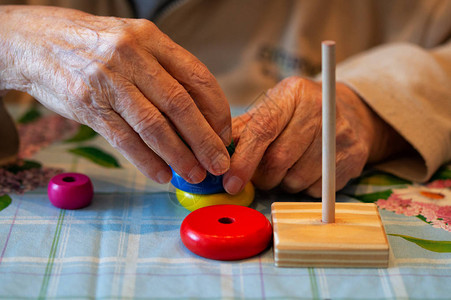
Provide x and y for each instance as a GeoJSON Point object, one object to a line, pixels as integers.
{"type": "Point", "coordinates": [125, 79]}
{"type": "Point", "coordinates": [132, 84]}
{"type": "Point", "coordinates": [279, 140]}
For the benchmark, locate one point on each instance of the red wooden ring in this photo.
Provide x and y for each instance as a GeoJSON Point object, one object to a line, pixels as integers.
{"type": "Point", "coordinates": [226, 232]}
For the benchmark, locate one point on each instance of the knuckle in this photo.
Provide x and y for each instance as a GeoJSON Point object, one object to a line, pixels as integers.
{"type": "Point", "coordinates": [177, 101]}
{"type": "Point", "coordinates": [291, 186]}
{"type": "Point", "coordinates": [276, 161]}
{"type": "Point", "coordinates": [351, 164]}
{"type": "Point", "coordinates": [144, 25]}
{"type": "Point", "coordinates": [264, 126]}
{"type": "Point", "coordinates": [265, 181]}
{"type": "Point", "coordinates": [207, 149]}
{"type": "Point", "coordinates": [125, 41]}
{"type": "Point", "coordinates": [352, 152]}
{"type": "Point", "coordinates": [345, 132]}
{"type": "Point", "coordinates": [119, 141]}
{"type": "Point", "coordinates": [298, 83]}
{"type": "Point", "coordinates": [200, 74]}
{"type": "Point", "coordinates": [184, 166]}
{"type": "Point", "coordinates": [314, 191]}
{"type": "Point", "coordinates": [294, 81]}
{"type": "Point", "coordinates": [165, 44]}
{"type": "Point", "coordinates": [301, 91]}
{"type": "Point", "coordinates": [294, 183]}
{"type": "Point", "coordinates": [120, 45]}
{"type": "Point", "coordinates": [151, 127]}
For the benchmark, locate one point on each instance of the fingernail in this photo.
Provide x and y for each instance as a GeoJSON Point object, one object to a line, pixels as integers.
{"type": "Point", "coordinates": [221, 164]}
{"type": "Point", "coordinates": [164, 177]}
{"type": "Point", "coordinates": [197, 174]}
{"type": "Point", "coordinates": [233, 185]}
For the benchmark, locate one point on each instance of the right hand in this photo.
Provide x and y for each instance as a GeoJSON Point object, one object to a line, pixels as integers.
{"type": "Point", "coordinates": [279, 141]}
{"type": "Point", "coordinates": [125, 79]}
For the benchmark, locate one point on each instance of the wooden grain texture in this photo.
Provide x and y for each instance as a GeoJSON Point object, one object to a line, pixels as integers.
{"type": "Point", "coordinates": [301, 239]}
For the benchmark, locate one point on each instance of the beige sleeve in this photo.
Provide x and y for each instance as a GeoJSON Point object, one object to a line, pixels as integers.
{"type": "Point", "coordinates": [410, 88]}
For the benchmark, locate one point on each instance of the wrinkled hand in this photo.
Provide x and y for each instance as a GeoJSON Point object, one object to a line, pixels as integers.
{"type": "Point", "coordinates": [125, 79]}
{"type": "Point", "coordinates": [279, 140]}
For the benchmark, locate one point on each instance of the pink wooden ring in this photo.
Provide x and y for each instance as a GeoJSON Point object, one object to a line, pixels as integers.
{"type": "Point", "coordinates": [70, 190]}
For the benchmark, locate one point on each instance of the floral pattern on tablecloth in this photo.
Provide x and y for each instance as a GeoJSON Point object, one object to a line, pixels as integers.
{"type": "Point", "coordinates": [37, 131]}
{"type": "Point", "coordinates": [431, 202]}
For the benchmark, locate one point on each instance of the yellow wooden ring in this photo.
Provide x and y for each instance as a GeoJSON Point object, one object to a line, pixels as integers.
{"type": "Point", "coordinates": [194, 201]}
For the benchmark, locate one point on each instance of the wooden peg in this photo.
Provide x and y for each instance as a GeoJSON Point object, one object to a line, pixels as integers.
{"type": "Point", "coordinates": [328, 88]}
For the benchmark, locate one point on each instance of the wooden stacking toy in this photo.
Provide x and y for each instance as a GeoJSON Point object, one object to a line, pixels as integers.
{"type": "Point", "coordinates": [325, 234]}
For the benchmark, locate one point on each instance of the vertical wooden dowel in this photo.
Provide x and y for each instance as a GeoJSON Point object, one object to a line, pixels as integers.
{"type": "Point", "coordinates": [328, 167]}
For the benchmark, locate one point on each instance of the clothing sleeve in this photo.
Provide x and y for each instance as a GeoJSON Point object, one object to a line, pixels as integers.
{"type": "Point", "coordinates": [410, 89]}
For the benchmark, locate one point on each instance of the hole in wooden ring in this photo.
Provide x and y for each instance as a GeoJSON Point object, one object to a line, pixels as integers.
{"type": "Point", "coordinates": [68, 179]}
{"type": "Point", "coordinates": [226, 220]}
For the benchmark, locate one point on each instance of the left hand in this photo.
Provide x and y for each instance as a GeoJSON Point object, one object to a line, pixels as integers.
{"type": "Point", "coordinates": [279, 140]}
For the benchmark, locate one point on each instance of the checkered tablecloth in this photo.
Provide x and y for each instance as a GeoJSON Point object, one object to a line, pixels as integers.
{"type": "Point", "coordinates": [126, 245]}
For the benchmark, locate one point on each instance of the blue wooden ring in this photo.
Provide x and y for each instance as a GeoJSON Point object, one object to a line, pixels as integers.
{"type": "Point", "coordinates": [210, 185]}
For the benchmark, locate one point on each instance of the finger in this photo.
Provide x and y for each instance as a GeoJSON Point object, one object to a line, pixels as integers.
{"type": "Point", "coordinates": [348, 165]}
{"type": "Point", "coordinates": [156, 132]}
{"type": "Point", "coordinates": [198, 81]}
{"type": "Point", "coordinates": [315, 190]}
{"type": "Point", "coordinates": [352, 154]}
{"type": "Point", "coordinates": [291, 144]}
{"type": "Point", "coordinates": [122, 137]}
{"type": "Point", "coordinates": [174, 101]}
{"type": "Point", "coordinates": [350, 160]}
{"type": "Point", "coordinates": [306, 170]}
{"type": "Point", "coordinates": [238, 125]}
{"type": "Point", "coordinates": [266, 121]}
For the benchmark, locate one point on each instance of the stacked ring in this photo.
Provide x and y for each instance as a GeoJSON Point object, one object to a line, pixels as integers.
{"type": "Point", "coordinates": [193, 201]}
{"type": "Point", "coordinates": [210, 185]}
{"type": "Point", "coordinates": [226, 232]}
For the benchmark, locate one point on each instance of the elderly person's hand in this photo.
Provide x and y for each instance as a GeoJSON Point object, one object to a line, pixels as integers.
{"type": "Point", "coordinates": [279, 140]}
{"type": "Point", "coordinates": [125, 79]}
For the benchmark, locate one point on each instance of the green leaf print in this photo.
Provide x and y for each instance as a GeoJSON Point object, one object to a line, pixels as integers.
{"type": "Point", "coordinates": [84, 133]}
{"type": "Point", "coordinates": [5, 201]}
{"type": "Point", "coordinates": [443, 173]}
{"type": "Point", "coordinates": [435, 246]}
{"type": "Point", "coordinates": [97, 156]}
{"type": "Point", "coordinates": [373, 197]}
{"type": "Point", "coordinates": [382, 179]}
{"type": "Point", "coordinates": [30, 115]}
{"type": "Point", "coordinates": [25, 165]}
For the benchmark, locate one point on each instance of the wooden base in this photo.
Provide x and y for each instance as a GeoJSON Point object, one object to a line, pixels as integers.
{"type": "Point", "coordinates": [356, 239]}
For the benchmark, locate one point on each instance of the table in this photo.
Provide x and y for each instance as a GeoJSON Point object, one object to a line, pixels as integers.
{"type": "Point", "coordinates": [126, 245]}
